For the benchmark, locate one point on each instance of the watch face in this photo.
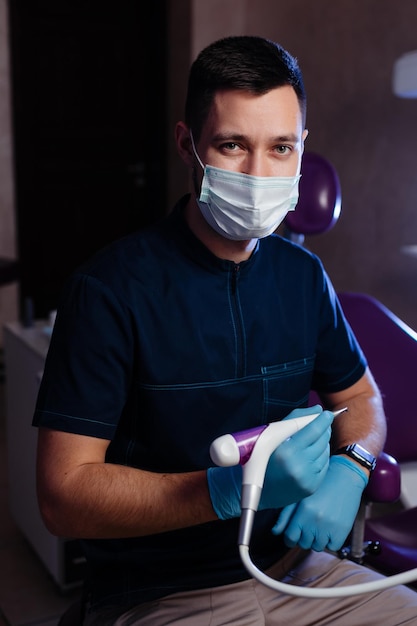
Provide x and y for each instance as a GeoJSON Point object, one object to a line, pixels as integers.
{"type": "Point", "coordinates": [362, 452]}
{"type": "Point", "coordinates": [359, 454]}
{"type": "Point", "coordinates": [362, 455]}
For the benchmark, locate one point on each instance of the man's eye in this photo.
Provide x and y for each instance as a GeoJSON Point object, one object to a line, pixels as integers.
{"type": "Point", "coordinates": [283, 149]}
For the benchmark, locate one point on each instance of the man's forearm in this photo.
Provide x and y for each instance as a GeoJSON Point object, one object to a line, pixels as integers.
{"type": "Point", "coordinates": [364, 423]}
{"type": "Point", "coordinates": [110, 501]}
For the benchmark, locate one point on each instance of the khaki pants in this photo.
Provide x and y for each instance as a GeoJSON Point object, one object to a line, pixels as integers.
{"type": "Point", "coordinates": [250, 603]}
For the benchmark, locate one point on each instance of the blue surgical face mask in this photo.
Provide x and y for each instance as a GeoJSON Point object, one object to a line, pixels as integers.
{"type": "Point", "coordinates": [239, 206]}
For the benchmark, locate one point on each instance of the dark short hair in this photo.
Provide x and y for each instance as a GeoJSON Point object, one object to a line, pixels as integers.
{"type": "Point", "coordinates": [248, 63]}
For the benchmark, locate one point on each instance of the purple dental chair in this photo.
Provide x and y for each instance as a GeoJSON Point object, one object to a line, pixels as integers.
{"type": "Point", "coordinates": [387, 541]}
{"type": "Point", "coordinates": [391, 349]}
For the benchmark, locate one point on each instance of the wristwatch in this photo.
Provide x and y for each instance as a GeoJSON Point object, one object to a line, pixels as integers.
{"type": "Point", "coordinates": [359, 454]}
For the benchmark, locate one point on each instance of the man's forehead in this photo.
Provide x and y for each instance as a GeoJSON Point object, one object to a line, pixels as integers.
{"type": "Point", "coordinates": [238, 114]}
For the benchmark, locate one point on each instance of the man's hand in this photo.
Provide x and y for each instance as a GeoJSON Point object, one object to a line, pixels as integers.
{"type": "Point", "coordinates": [325, 518]}
{"type": "Point", "coordinates": [295, 469]}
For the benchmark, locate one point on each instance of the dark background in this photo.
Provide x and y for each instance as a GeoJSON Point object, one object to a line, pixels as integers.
{"type": "Point", "coordinates": [89, 109]}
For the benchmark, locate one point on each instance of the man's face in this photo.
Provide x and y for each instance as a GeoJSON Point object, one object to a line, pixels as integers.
{"type": "Point", "coordinates": [256, 135]}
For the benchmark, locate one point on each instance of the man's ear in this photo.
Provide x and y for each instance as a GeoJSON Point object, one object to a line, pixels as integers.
{"type": "Point", "coordinates": [304, 136]}
{"type": "Point", "coordinates": [183, 141]}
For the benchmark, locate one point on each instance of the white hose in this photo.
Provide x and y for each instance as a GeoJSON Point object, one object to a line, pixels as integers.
{"type": "Point", "coordinates": [326, 592]}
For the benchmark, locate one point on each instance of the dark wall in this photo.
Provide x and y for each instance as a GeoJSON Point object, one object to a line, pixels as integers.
{"type": "Point", "coordinates": [89, 108]}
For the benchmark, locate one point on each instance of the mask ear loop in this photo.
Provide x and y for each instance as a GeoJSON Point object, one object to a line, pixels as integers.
{"type": "Point", "coordinates": [195, 151]}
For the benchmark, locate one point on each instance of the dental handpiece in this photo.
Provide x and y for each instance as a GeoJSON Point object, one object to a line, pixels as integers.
{"type": "Point", "coordinates": [252, 449]}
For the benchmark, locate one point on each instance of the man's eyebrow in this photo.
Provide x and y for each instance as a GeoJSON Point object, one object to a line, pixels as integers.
{"type": "Point", "coordinates": [229, 137]}
{"type": "Point", "coordinates": [289, 138]}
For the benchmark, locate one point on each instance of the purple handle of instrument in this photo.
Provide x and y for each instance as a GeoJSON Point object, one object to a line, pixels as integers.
{"type": "Point", "coordinates": [246, 440]}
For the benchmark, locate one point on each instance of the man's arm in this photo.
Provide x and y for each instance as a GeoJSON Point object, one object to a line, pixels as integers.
{"type": "Point", "coordinates": [364, 423]}
{"type": "Point", "coordinates": [82, 496]}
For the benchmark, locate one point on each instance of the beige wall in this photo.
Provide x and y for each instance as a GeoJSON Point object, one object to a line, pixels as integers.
{"type": "Point", "coordinates": [8, 293]}
{"type": "Point", "coordinates": [347, 50]}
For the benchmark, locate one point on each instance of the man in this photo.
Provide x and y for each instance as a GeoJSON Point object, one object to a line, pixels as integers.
{"type": "Point", "coordinates": [205, 324]}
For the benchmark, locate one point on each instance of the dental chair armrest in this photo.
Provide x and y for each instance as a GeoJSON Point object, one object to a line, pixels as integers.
{"type": "Point", "coordinates": [385, 482]}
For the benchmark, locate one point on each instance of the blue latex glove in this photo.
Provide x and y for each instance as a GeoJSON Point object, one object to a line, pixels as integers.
{"type": "Point", "coordinates": [295, 469]}
{"type": "Point", "coordinates": [325, 519]}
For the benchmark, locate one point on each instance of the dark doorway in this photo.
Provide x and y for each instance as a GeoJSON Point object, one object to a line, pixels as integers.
{"type": "Point", "coordinates": [89, 108]}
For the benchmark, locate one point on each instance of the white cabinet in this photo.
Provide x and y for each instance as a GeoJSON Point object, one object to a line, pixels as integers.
{"type": "Point", "coordinates": [25, 352]}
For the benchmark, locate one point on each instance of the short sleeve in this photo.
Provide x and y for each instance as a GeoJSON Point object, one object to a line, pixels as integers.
{"type": "Point", "coordinates": [88, 366]}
